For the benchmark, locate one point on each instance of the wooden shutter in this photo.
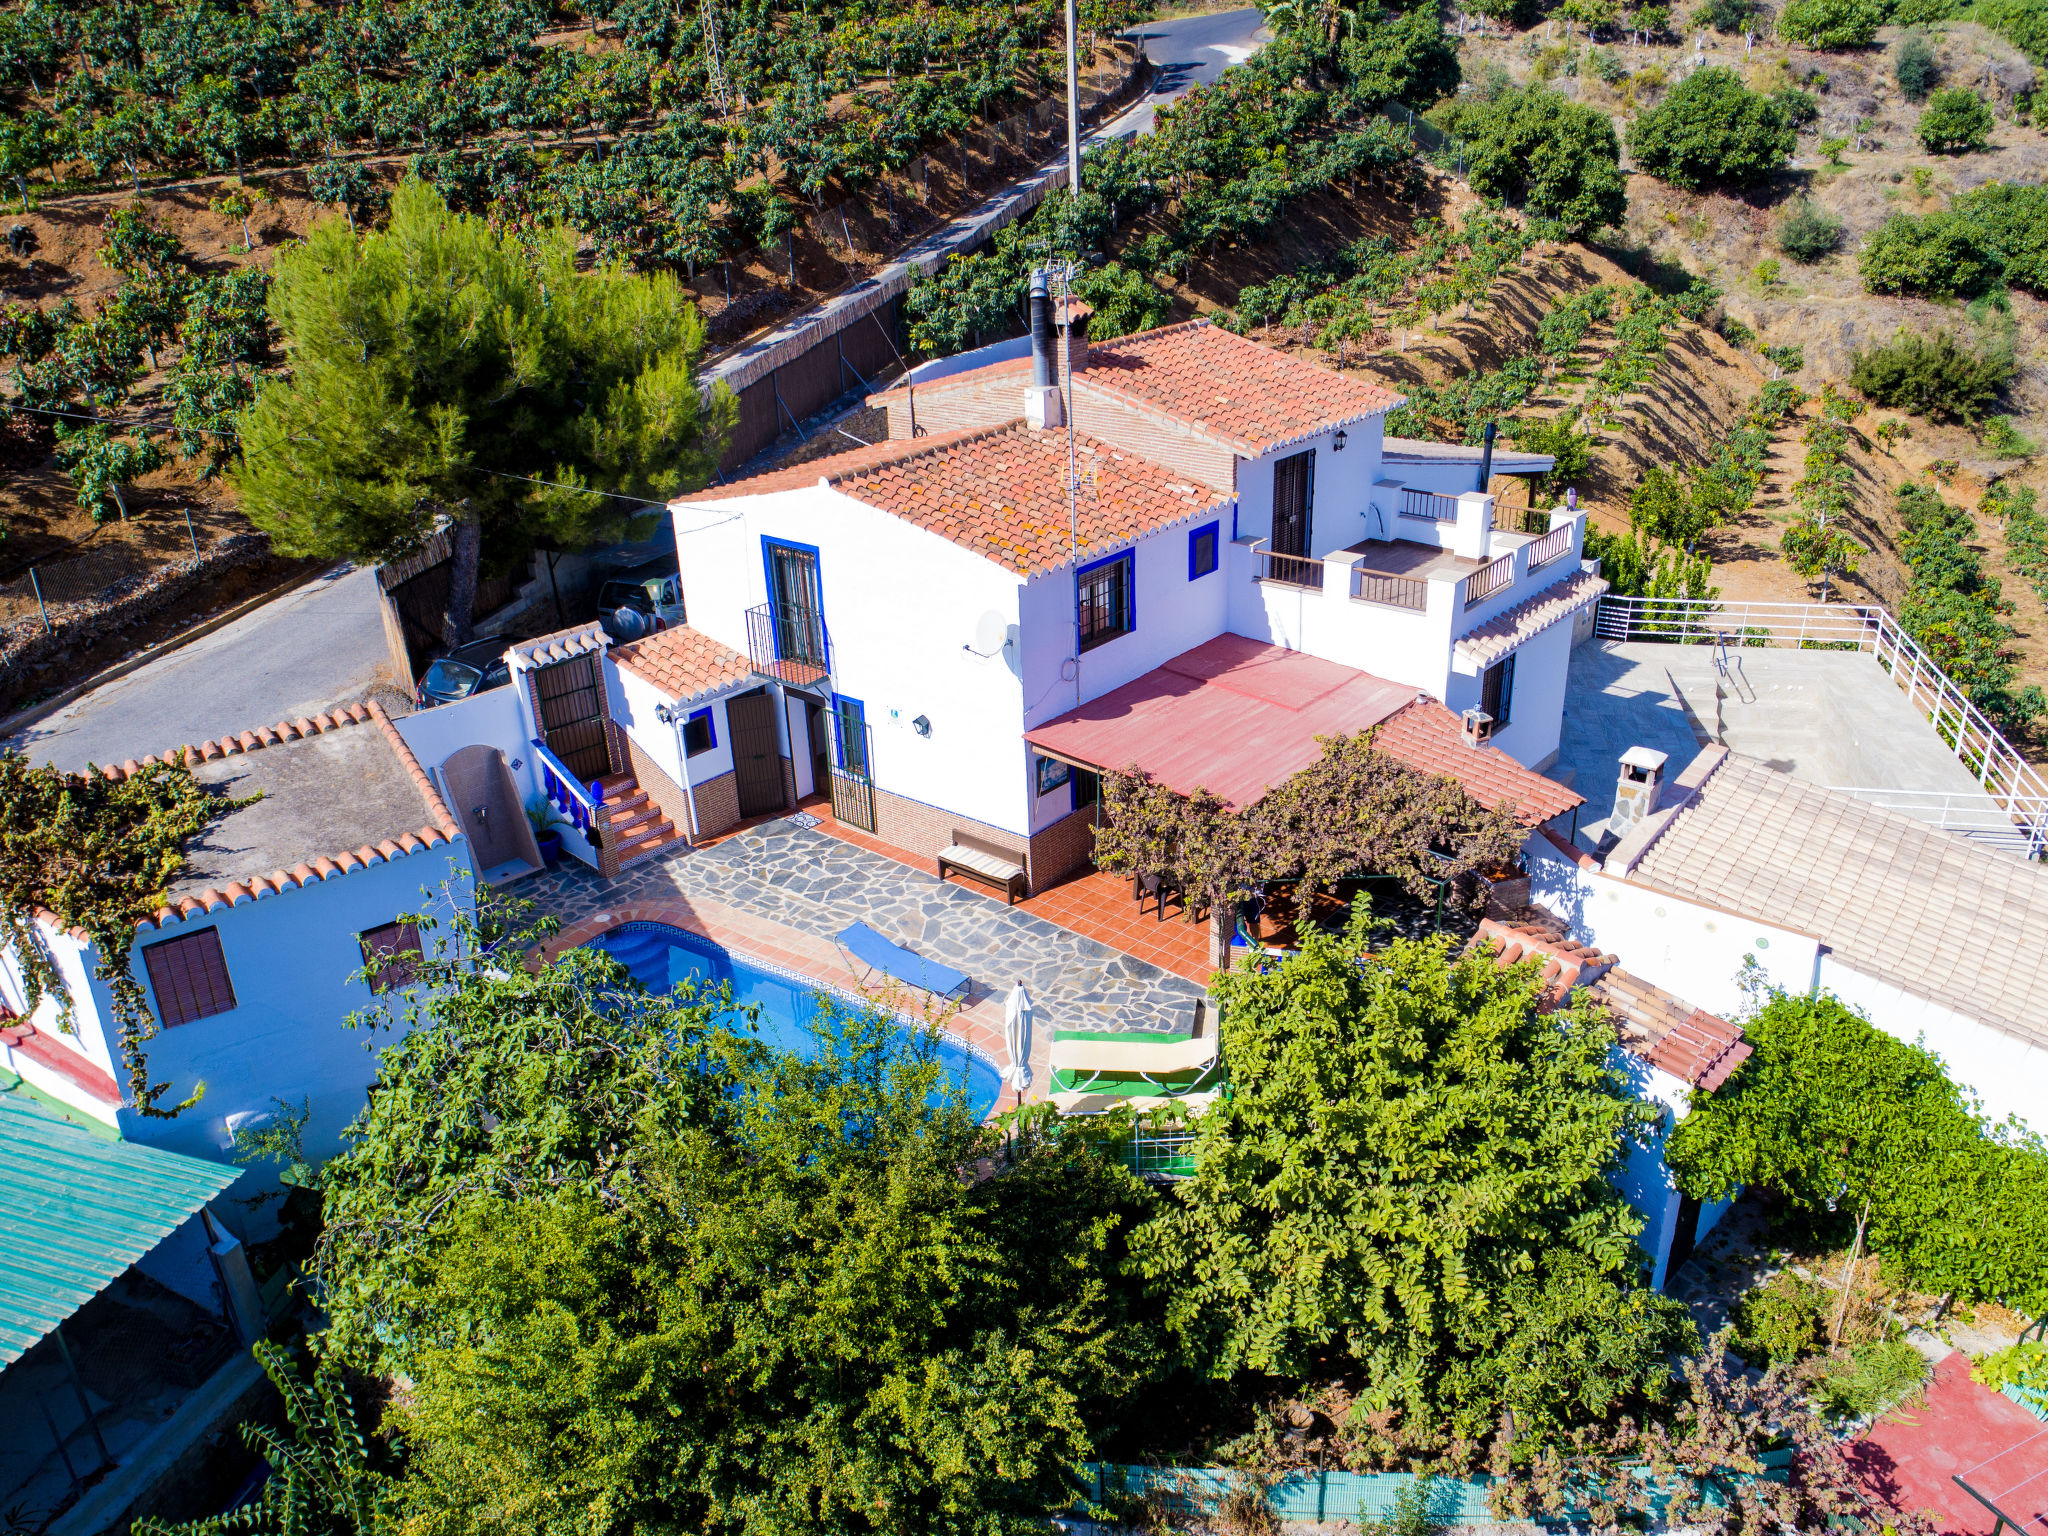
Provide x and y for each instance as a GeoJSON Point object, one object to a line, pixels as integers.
{"type": "Point", "coordinates": [391, 939]}
{"type": "Point", "coordinates": [190, 977]}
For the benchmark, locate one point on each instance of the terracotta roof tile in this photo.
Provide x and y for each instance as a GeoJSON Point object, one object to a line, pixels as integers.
{"type": "Point", "coordinates": [1248, 395]}
{"type": "Point", "coordinates": [1428, 736]}
{"type": "Point", "coordinates": [1923, 909]}
{"type": "Point", "coordinates": [1002, 491]}
{"type": "Point", "coordinates": [1503, 632]}
{"type": "Point", "coordinates": [1691, 1044]}
{"type": "Point", "coordinates": [684, 663]}
{"type": "Point", "coordinates": [560, 646]}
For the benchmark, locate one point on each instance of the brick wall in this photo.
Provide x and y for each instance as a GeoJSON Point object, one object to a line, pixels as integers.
{"type": "Point", "coordinates": [1160, 441]}
{"type": "Point", "coordinates": [922, 830]}
{"type": "Point", "coordinates": [1062, 849]}
{"type": "Point", "coordinates": [669, 796]}
{"type": "Point", "coordinates": [718, 804]}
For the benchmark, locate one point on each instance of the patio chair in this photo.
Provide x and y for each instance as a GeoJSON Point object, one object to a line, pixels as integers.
{"type": "Point", "coordinates": [893, 960]}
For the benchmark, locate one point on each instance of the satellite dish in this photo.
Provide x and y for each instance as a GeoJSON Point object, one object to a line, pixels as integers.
{"type": "Point", "coordinates": [991, 633]}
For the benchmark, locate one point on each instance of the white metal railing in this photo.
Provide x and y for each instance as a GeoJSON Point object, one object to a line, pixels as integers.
{"type": "Point", "coordinates": [1981, 818]}
{"type": "Point", "coordinates": [1489, 579]}
{"type": "Point", "coordinates": [2008, 779]}
{"type": "Point", "coordinates": [1429, 507]}
{"type": "Point", "coordinates": [1554, 545]}
{"type": "Point", "coordinates": [576, 801]}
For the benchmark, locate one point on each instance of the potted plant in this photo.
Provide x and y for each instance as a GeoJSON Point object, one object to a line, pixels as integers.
{"type": "Point", "coordinates": [541, 813]}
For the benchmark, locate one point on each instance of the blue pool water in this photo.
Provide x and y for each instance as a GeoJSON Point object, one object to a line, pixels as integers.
{"type": "Point", "coordinates": [662, 958]}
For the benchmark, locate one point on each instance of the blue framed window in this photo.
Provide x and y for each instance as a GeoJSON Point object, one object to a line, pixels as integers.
{"type": "Point", "coordinates": [700, 734]}
{"type": "Point", "coordinates": [1105, 599]}
{"type": "Point", "coordinates": [849, 735]}
{"type": "Point", "coordinates": [1203, 551]}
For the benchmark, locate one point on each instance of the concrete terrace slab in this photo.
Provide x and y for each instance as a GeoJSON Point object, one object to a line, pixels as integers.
{"type": "Point", "coordinates": [811, 885]}
{"type": "Point", "coordinates": [1832, 718]}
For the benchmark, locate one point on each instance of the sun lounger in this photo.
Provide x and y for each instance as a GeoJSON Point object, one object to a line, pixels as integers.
{"type": "Point", "coordinates": [893, 960]}
{"type": "Point", "coordinates": [1083, 1102]}
{"type": "Point", "coordinates": [1089, 1065]}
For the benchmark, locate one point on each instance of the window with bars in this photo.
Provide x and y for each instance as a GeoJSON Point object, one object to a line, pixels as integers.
{"type": "Point", "coordinates": [385, 948]}
{"type": "Point", "coordinates": [1497, 690]}
{"type": "Point", "coordinates": [1102, 595]}
{"type": "Point", "coordinates": [189, 976]}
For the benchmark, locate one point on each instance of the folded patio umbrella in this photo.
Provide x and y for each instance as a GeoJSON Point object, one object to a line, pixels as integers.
{"type": "Point", "coordinates": [1016, 1034]}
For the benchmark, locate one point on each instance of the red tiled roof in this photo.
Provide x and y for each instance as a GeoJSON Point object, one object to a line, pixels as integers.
{"type": "Point", "coordinates": [1002, 491]}
{"type": "Point", "coordinates": [1502, 633]}
{"type": "Point", "coordinates": [1691, 1044]}
{"type": "Point", "coordinates": [1236, 716]}
{"type": "Point", "coordinates": [1248, 395]}
{"type": "Point", "coordinates": [1428, 736]}
{"type": "Point", "coordinates": [683, 663]}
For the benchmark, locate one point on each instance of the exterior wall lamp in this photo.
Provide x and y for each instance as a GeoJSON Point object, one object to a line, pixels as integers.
{"type": "Point", "coordinates": [1337, 442]}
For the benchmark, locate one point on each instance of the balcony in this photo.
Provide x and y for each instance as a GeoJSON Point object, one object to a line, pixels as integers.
{"type": "Point", "coordinates": [1289, 570]}
{"type": "Point", "coordinates": [789, 643]}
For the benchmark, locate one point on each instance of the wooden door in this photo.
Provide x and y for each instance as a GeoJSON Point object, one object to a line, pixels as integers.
{"type": "Point", "coordinates": [756, 754]}
{"type": "Point", "coordinates": [571, 698]}
{"type": "Point", "coordinates": [1294, 491]}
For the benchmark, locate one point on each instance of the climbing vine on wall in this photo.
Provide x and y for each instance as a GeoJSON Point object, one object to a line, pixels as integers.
{"type": "Point", "coordinates": [98, 854]}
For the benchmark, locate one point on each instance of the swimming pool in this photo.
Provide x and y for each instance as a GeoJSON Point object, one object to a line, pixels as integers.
{"type": "Point", "coordinates": [662, 958]}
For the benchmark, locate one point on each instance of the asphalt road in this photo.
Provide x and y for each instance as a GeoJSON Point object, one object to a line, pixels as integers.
{"type": "Point", "coordinates": [1190, 51]}
{"type": "Point", "coordinates": [314, 648]}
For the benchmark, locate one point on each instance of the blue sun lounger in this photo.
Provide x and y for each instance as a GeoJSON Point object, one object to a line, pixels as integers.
{"type": "Point", "coordinates": [892, 959]}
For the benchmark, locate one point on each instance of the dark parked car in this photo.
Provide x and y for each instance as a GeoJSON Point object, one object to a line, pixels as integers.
{"type": "Point", "coordinates": [640, 601]}
{"type": "Point", "coordinates": [474, 668]}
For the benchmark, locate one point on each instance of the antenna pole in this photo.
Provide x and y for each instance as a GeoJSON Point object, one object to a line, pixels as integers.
{"type": "Point", "coordinates": [1073, 110]}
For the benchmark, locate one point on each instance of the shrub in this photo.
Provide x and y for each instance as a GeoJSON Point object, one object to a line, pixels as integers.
{"type": "Point", "coordinates": [1940, 256]}
{"type": "Point", "coordinates": [1955, 122]}
{"type": "Point", "coordinates": [1725, 15]}
{"type": "Point", "coordinates": [1779, 1321]}
{"type": "Point", "coordinates": [1712, 131]}
{"type": "Point", "coordinates": [1936, 376]}
{"type": "Point", "coordinates": [1807, 233]}
{"type": "Point", "coordinates": [1786, 359]}
{"type": "Point", "coordinates": [1830, 23]}
{"type": "Point", "coordinates": [1558, 159]}
{"type": "Point", "coordinates": [1607, 66]}
{"type": "Point", "coordinates": [1735, 333]}
{"type": "Point", "coordinates": [1915, 66]}
{"type": "Point", "coordinates": [2024, 23]}
{"type": "Point", "coordinates": [1872, 1379]}
{"type": "Point", "coordinates": [2005, 440]}
{"type": "Point", "coordinates": [1800, 106]}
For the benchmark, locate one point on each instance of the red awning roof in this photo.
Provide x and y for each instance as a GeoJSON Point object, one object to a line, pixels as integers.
{"type": "Point", "coordinates": [1236, 717]}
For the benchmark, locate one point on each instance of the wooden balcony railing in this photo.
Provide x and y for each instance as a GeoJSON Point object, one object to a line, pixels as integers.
{"type": "Point", "coordinates": [1294, 570]}
{"type": "Point", "coordinates": [1489, 579]}
{"type": "Point", "coordinates": [1553, 545]}
{"type": "Point", "coordinates": [1389, 591]}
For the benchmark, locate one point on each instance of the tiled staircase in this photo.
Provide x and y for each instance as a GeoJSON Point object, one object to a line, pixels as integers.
{"type": "Point", "coordinates": [638, 828]}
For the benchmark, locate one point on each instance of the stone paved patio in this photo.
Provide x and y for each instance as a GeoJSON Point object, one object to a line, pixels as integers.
{"type": "Point", "coordinates": [811, 885]}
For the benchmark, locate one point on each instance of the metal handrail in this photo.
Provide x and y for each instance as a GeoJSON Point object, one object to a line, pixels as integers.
{"type": "Point", "coordinates": [1297, 571]}
{"type": "Point", "coordinates": [1429, 507]}
{"type": "Point", "coordinates": [1388, 591]}
{"type": "Point", "coordinates": [1964, 728]}
{"type": "Point", "coordinates": [565, 790]}
{"type": "Point", "coordinates": [1489, 579]}
{"type": "Point", "coordinates": [1554, 545]}
{"type": "Point", "coordinates": [789, 643]}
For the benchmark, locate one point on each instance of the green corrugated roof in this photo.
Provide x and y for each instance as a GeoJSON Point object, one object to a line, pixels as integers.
{"type": "Point", "coordinates": [76, 1209]}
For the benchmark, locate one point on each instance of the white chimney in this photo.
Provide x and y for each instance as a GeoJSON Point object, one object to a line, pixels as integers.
{"type": "Point", "coordinates": [1636, 792]}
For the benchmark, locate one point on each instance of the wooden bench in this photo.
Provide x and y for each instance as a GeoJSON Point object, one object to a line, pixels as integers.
{"type": "Point", "coordinates": [976, 856]}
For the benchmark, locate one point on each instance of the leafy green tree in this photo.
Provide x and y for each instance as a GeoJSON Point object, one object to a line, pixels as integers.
{"type": "Point", "coordinates": [1407, 1185]}
{"type": "Point", "coordinates": [325, 1473]}
{"type": "Point", "coordinates": [1570, 450]}
{"type": "Point", "coordinates": [1954, 122]}
{"type": "Point", "coordinates": [645, 1273]}
{"type": "Point", "coordinates": [102, 460]}
{"type": "Point", "coordinates": [1403, 56]}
{"type": "Point", "coordinates": [1915, 66]}
{"type": "Point", "coordinates": [1732, 16]}
{"type": "Point", "coordinates": [1937, 376]}
{"type": "Point", "coordinates": [1939, 255]}
{"type": "Point", "coordinates": [443, 374]}
{"type": "Point", "coordinates": [25, 148]}
{"type": "Point", "coordinates": [1832, 1113]}
{"type": "Point", "coordinates": [1712, 130]}
{"type": "Point", "coordinates": [1557, 159]}
{"type": "Point", "coordinates": [1663, 506]}
{"type": "Point", "coordinates": [1124, 300]}
{"type": "Point", "coordinates": [1830, 23]}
